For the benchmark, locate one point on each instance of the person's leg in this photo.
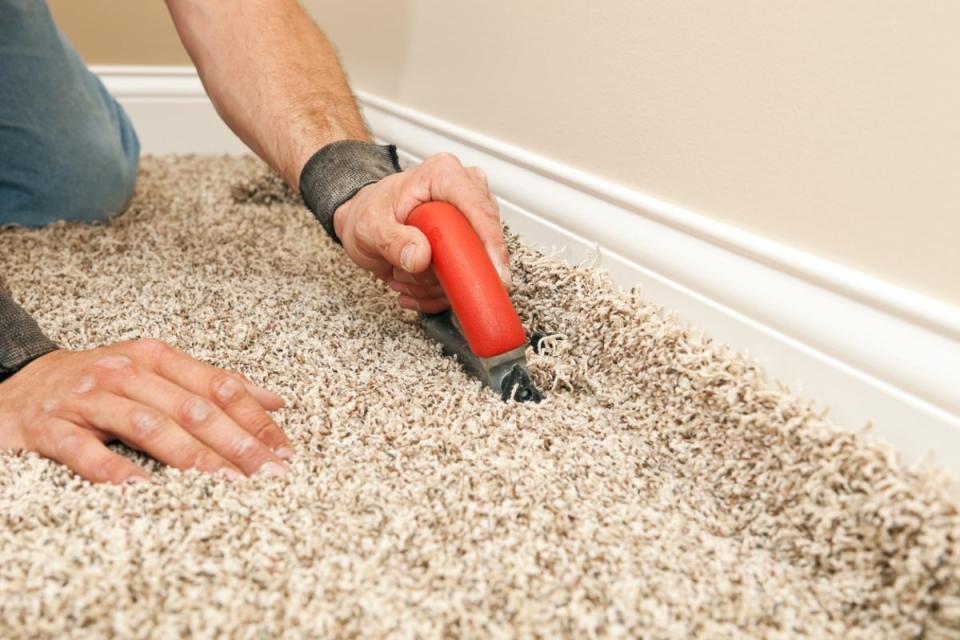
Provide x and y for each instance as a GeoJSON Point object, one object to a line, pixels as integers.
{"type": "Point", "coordinates": [67, 149]}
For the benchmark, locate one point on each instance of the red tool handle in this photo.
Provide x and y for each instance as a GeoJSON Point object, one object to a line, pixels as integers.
{"type": "Point", "coordinates": [489, 322]}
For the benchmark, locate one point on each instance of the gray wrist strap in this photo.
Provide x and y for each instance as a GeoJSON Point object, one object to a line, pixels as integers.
{"type": "Point", "coordinates": [21, 340]}
{"type": "Point", "coordinates": [335, 173]}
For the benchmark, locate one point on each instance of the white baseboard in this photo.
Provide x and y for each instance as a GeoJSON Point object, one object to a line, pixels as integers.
{"type": "Point", "coordinates": [872, 351]}
{"type": "Point", "coordinates": [170, 110]}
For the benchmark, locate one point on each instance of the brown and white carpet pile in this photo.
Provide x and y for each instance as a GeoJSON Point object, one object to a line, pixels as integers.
{"type": "Point", "coordinates": [663, 490]}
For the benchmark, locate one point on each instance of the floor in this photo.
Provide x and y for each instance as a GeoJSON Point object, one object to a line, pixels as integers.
{"type": "Point", "coordinates": [664, 488]}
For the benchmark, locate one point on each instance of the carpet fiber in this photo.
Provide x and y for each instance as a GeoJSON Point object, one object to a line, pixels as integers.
{"type": "Point", "coordinates": [664, 489]}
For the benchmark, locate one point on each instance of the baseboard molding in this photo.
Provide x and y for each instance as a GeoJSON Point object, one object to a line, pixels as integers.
{"type": "Point", "coordinates": [870, 350]}
{"type": "Point", "coordinates": [170, 110]}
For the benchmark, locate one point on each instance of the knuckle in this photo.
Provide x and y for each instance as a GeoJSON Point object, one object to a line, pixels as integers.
{"type": "Point", "coordinates": [388, 241]}
{"type": "Point", "coordinates": [445, 158]}
{"type": "Point", "coordinates": [195, 411]}
{"type": "Point", "coordinates": [86, 384]}
{"type": "Point", "coordinates": [442, 163]}
{"type": "Point", "coordinates": [262, 427]}
{"type": "Point", "coordinates": [49, 407]}
{"type": "Point", "coordinates": [145, 424]}
{"type": "Point", "coordinates": [246, 448]}
{"type": "Point", "coordinates": [69, 445]}
{"type": "Point", "coordinates": [114, 362]}
{"type": "Point", "coordinates": [383, 244]}
{"type": "Point", "coordinates": [226, 388]}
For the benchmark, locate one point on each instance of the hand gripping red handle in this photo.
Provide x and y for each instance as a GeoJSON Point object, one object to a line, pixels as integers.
{"type": "Point", "coordinates": [489, 322]}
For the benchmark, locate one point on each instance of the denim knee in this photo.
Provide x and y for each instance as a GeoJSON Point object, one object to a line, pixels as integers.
{"type": "Point", "coordinates": [91, 181]}
{"type": "Point", "coordinates": [67, 149]}
{"type": "Point", "coordinates": [86, 183]}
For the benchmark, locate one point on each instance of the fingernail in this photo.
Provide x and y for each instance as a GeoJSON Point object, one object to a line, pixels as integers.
{"type": "Point", "coordinates": [284, 452]}
{"type": "Point", "coordinates": [230, 474]}
{"type": "Point", "coordinates": [408, 257]}
{"type": "Point", "coordinates": [273, 469]}
{"type": "Point", "coordinates": [137, 480]}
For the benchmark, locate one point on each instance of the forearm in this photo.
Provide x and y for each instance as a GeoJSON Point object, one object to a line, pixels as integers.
{"type": "Point", "coordinates": [273, 76]}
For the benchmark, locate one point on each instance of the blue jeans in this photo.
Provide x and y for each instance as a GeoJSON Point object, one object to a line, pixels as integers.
{"type": "Point", "coordinates": [67, 149]}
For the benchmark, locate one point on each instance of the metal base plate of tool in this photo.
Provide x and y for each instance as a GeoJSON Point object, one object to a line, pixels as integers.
{"type": "Point", "coordinates": [505, 373]}
{"type": "Point", "coordinates": [482, 329]}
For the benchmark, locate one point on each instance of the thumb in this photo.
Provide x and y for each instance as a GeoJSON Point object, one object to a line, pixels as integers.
{"type": "Point", "coordinates": [404, 247]}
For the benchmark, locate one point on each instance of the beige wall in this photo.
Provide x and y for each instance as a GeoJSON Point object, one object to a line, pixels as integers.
{"type": "Point", "coordinates": [120, 31]}
{"type": "Point", "coordinates": [829, 125]}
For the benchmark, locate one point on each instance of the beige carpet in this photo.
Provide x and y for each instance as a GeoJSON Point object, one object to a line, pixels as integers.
{"type": "Point", "coordinates": [664, 490]}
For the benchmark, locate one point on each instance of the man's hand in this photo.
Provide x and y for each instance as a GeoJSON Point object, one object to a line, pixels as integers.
{"type": "Point", "coordinates": [277, 82]}
{"type": "Point", "coordinates": [66, 405]}
{"type": "Point", "coordinates": [371, 227]}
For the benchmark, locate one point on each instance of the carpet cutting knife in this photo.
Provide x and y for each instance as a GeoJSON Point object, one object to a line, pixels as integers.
{"type": "Point", "coordinates": [482, 329]}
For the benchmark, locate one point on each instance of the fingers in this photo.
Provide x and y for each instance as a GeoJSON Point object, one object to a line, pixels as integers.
{"type": "Point", "coordinates": [417, 290]}
{"type": "Point", "coordinates": [434, 305]}
{"type": "Point", "coordinates": [372, 226]}
{"type": "Point", "coordinates": [80, 450]}
{"type": "Point", "coordinates": [249, 448]}
{"type": "Point", "coordinates": [424, 277]}
{"type": "Point", "coordinates": [479, 177]}
{"type": "Point", "coordinates": [267, 399]}
{"type": "Point", "coordinates": [225, 391]}
{"type": "Point", "coordinates": [426, 299]}
{"type": "Point", "coordinates": [403, 246]}
{"type": "Point", "coordinates": [446, 179]}
{"type": "Point", "coordinates": [151, 431]}
{"type": "Point", "coordinates": [232, 398]}
{"type": "Point", "coordinates": [156, 399]}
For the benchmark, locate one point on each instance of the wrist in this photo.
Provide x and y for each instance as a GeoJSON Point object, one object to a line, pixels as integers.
{"type": "Point", "coordinates": [34, 363]}
{"type": "Point", "coordinates": [335, 173]}
{"type": "Point", "coordinates": [21, 339]}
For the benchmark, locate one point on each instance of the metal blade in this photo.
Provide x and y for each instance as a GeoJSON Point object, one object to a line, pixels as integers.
{"type": "Point", "coordinates": [506, 373]}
